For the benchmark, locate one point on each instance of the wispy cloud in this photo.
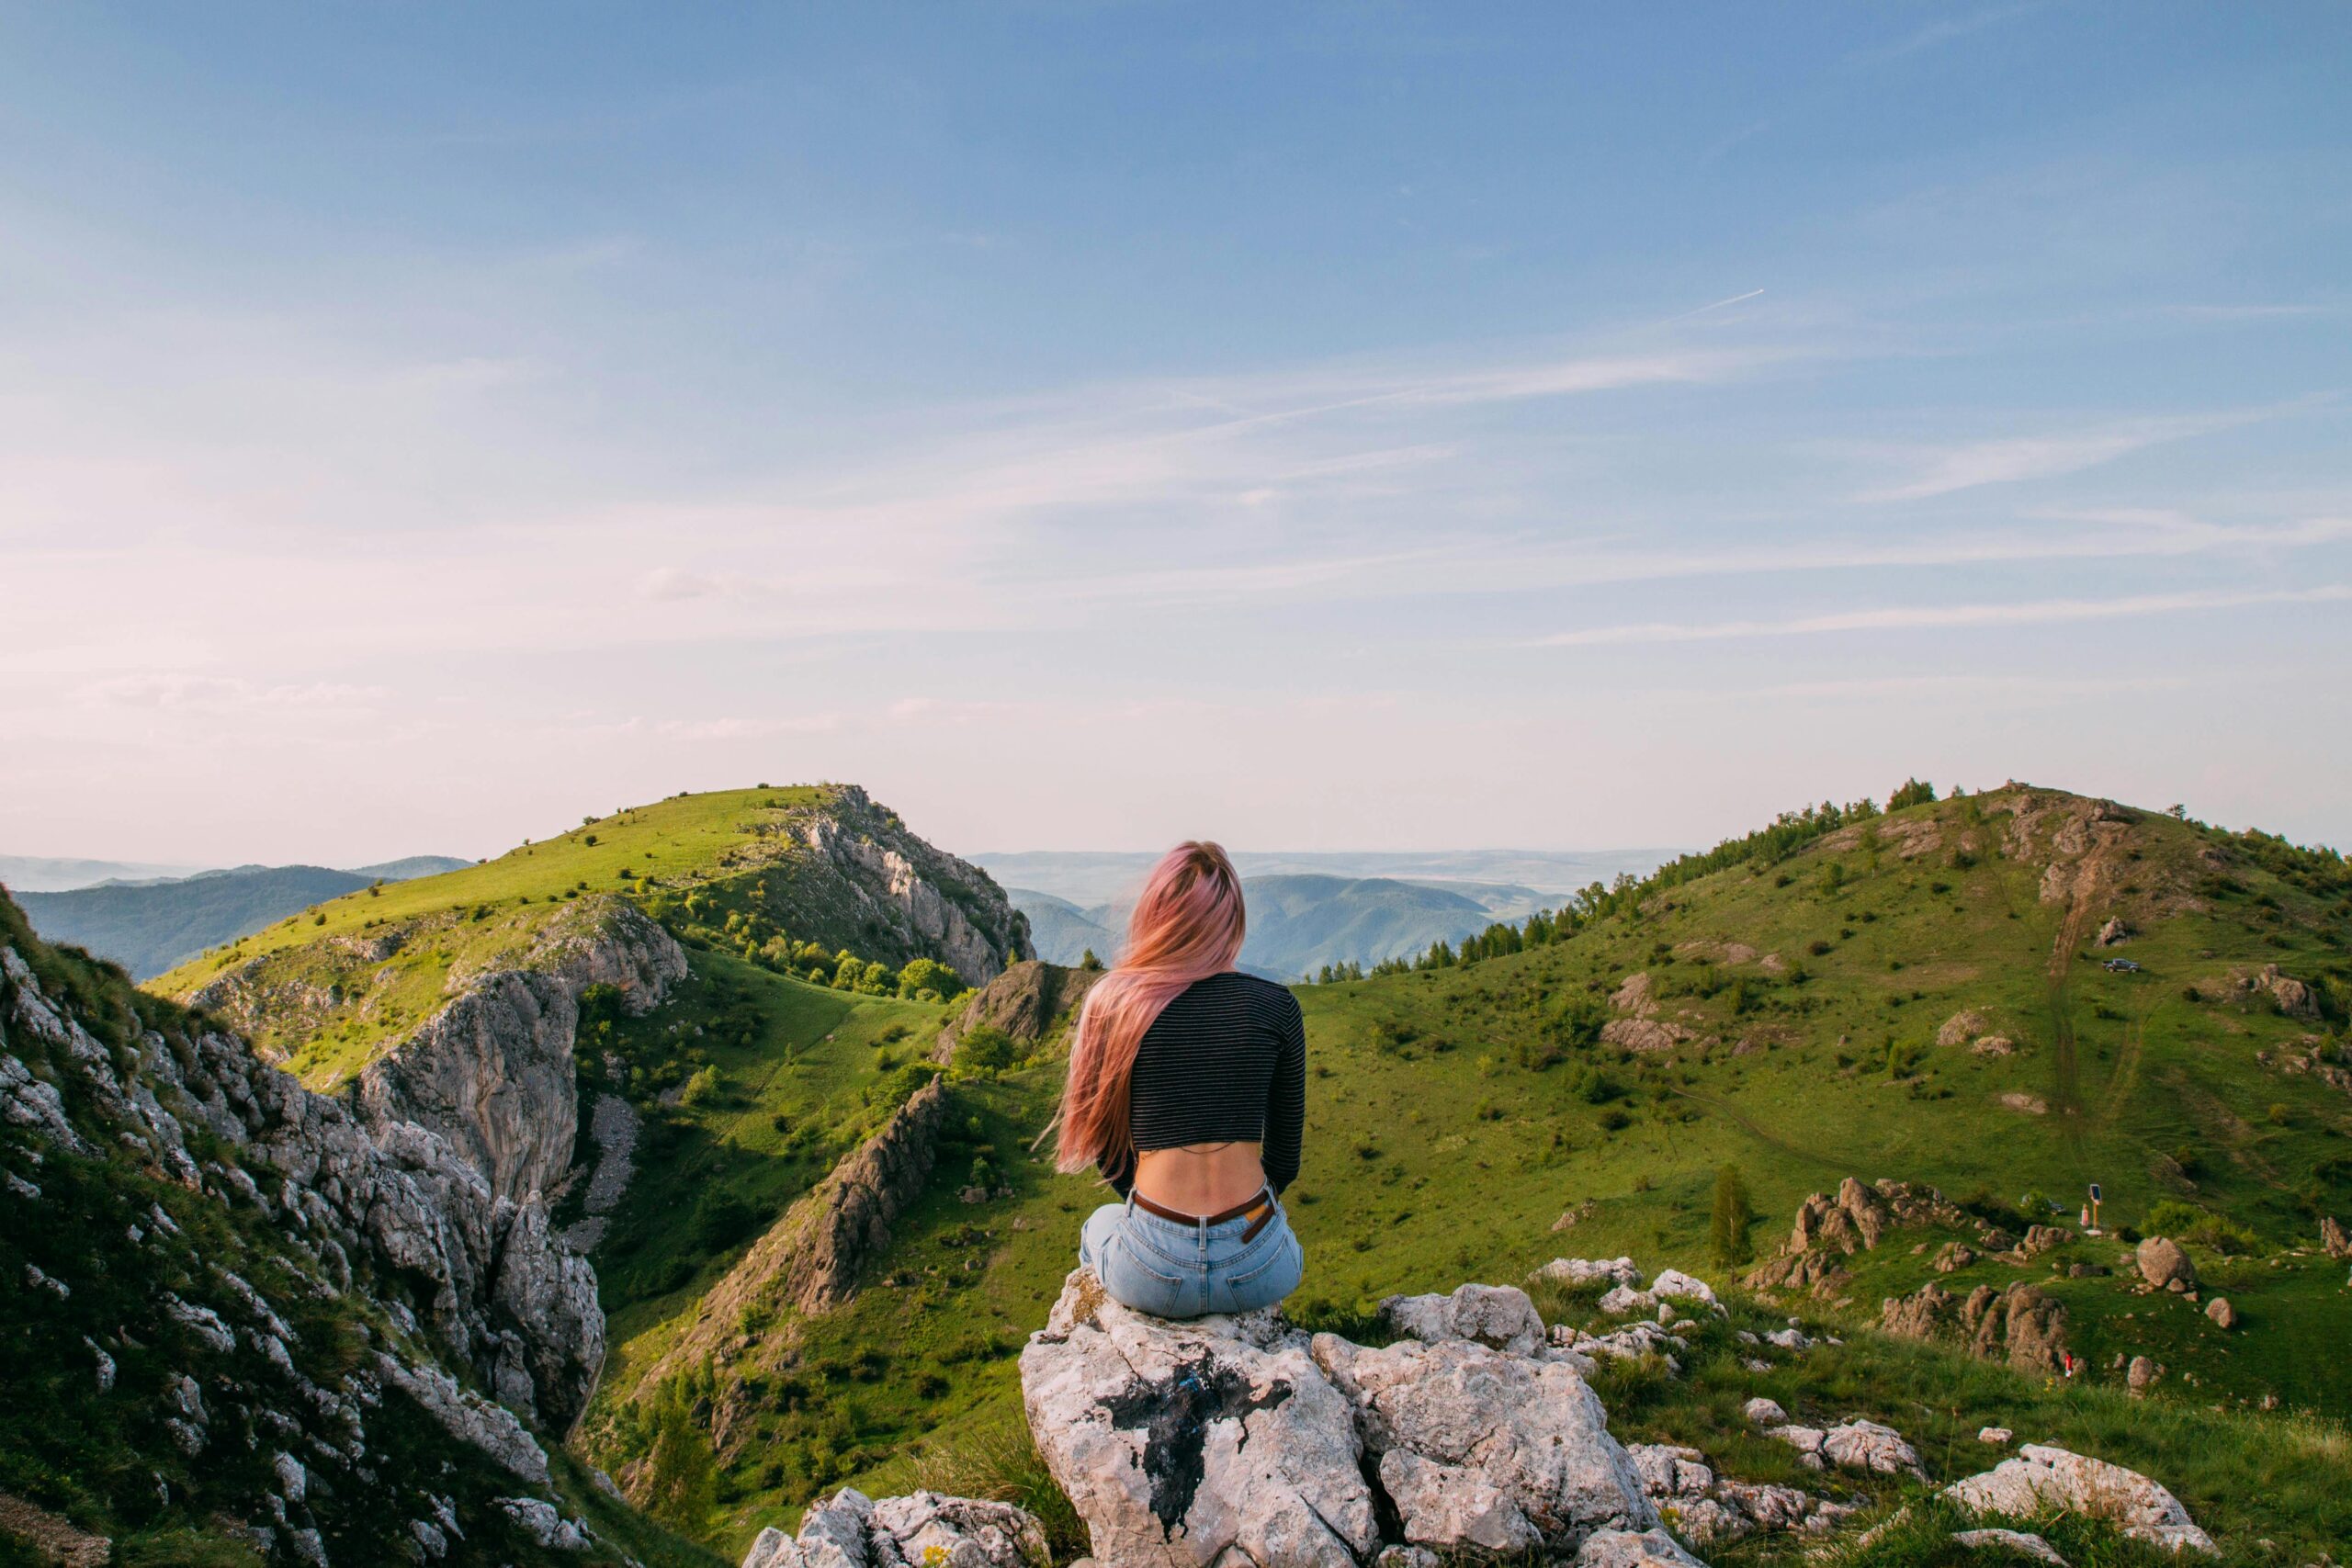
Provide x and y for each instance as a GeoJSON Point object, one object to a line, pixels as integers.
{"type": "Point", "coordinates": [1929, 617]}
{"type": "Point", "coordinates": [1938, 33]}
{"type": "Point", "coordinates": [2010, 460]}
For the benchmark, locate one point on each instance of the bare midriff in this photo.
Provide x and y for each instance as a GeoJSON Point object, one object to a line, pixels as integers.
{"type": "Point", "coordinates": [1202, 1179]}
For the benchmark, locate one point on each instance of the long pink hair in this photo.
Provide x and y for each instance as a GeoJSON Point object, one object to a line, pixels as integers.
{"type": "Point", "coordinates": [1187, 925]}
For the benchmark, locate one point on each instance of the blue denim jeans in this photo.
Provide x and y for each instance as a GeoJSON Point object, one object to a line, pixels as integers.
{"type": "Point", "coordinates": [1186, 1269]}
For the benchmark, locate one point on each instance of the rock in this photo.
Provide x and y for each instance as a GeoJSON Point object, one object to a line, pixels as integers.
{"type": "Point", "coordinates": [1995, 1435]}
{"type": "Point", "coordinates": [1920, 1315]}
{"type": "Point", "coordinates": [1673, 1284]}
{"type": "Point", "coordinates": [2026, 1104]}
{"type": "Point", "coordinates": [1643, 1034]}
{"type": "Point", "coordinates": [1806, 1441]}
{"type": "Point", "coordinates": [1592, 1271]}
{"type": "Point", "coordinates": [469, 1417]}
{"type": "Point", "coordinates": [546, 1525]}
{"type": "Point", "coordinates": [1951, 1257]}
{"type": "Point", "coordinates": [1763, 1412]}
{"type": "Point", "coordinates": [2332, 1239]}
{"type": "Point", "coordinates": [852, 1531]}
{"type": "Point", "coordinates": [2222, 1313]}
{"type": "Point", "coordinates": [1866, 1445]}
{"type": "Point", "coordinates": [1669, 1471]}
{"type": "Point", "coordinates": [1626, 1549]}
{"type": "Point", "coordinates": [1031, 1002]}
{"type": "Point", "coordinates": [2023, 1324]}
{"type": "Point", "coordinates": [1992, 1046]}
{"type": "Point", "coordinates": [1500, 1316]}
{"type": "Point", "coordinates": [1791, 1339]}
{"type": "Point", "coordinates": [1505, 1445]}
{"type": "Point", "coordinates": [1176, 1442]}
{"type": "Point", "coordinates": [2038, 1239]}
{"type": "Point", "coordinates": [2040, 1478]}
{"type": "Point", "coordinates": [1962, 1027]}
{"type": "Point", "coordinates": [2114, 931]}
{"type": "Point", "coordinates": [2165, 1265]}
{"type": "Point", "coordinates": [2140, 1376]}
{"type": "Point", "coordinates": [52, 1538]}
{"type": "Point", "coordinates": [1394, 1557]}
{"type": "Point", "coordinates": [2019, 1542]}
{"type": "Point", "coordinates": [2294, 999]}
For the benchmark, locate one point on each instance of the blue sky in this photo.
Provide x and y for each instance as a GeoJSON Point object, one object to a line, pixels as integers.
{"type": "Point", "coordinates": [1372, 426]}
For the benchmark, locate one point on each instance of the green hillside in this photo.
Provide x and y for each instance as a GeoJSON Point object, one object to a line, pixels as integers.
{"type": "Point", "coordinates": [326, 989]}
{"type": "Point", "coordinates": [1475, 1119]}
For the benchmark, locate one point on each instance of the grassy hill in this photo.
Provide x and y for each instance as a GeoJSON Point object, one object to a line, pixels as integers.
{"type": "Point", "coordinates": [330, 987]}
{"type": "Point", "coordinates": [1472, 1120]}
{"type": "Point", "coordinates": [148, 927]}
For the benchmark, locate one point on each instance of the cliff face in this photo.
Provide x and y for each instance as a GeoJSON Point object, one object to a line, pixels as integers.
{"type": "Point", "coordinates": [909, 894]}
{"type": "Point", "coordinates": [1032, 1002]}
{"type": "Point", "coordinates": [222, 1267]}
{"type": "Point", "coordinates": [492, 1073]}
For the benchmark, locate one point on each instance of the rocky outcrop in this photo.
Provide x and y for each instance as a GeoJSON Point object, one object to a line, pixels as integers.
{"type": "Point", "coordinates": [2332, 1239]}
{"type": "Point", "coordinates": [1218, 1441]}
{"type": "Point", "coordinates": [305, 1282]}
{"type": "Point", "coordinates": [852, 1530]}
{"type": "Point", "coordinates": [2040, 1478]}
{"type": "Point", "coordinates": [921, 900]}
{"type": "Point", "coordinates": [1856, 1219]}
{"type": "Point", "coordinates": [1236, 1441]}
{"type": "Point", "coordinates": [2023, 1324]}
{"type": "Point", "coordinates": [492, 1071]}
{"type": "Point", "coordinates": [1031, 1002]}
{"type": "Point", "coordinates": [1707, 1508]}
{"type": "Point", "coordinates": [810, 1260]}
{"type": "Point", "coordinates": [1855, 1445]}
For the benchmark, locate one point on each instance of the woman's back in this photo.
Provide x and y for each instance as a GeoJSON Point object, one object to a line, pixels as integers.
{"type": "Point", "coordinates": [1218, 1095]}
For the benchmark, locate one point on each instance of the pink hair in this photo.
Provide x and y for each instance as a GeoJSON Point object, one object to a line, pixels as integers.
{"type": "Point", "coordinates": [1187, 925]}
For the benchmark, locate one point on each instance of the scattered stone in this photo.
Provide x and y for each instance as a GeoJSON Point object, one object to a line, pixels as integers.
{"type": "Point", "coordinates": [2040, 1478]}
{"type": "Point", "coordinates": [546, 1525]}
{"type": "Point", "coordinates": [1953, 1256]}
{"type": "Point", "coordinates": [1997, 1435]}
{"type": "Point", "coordinates": [2165, 1265]}
{"type": "Point", "coordinates": [2010, 1540]}
{"type": "Point", "coordinates": [852, 1530]}
{"type": "Point", "coordinates": [2140, 1376]}
{"type": "Point", "coordinates": [2224, 1314]}
{"type": "Point", "coordinates": [1866, 1445]}
{"type": "Point", "coordinates": [2030, 1104]}
{"type": "Point", "coordinates": [1762, 1412]}
{"type": "Point", "coordinates": [1994, 1045]}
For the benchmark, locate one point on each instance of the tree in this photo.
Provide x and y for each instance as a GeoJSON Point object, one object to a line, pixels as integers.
{"type": "Point", "coordinates": [1913, 792]}
{"type": "Point", "coordinates": [1733, 1216]}
{"type": "Point", "coordinates": [1089, 961]}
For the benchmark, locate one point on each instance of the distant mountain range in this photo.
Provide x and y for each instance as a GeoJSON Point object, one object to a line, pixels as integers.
{"type": "Point", "coordinates": [147, 925]}
{"type": "Point", "coordinates": [1087, 877]}
{"type": "Point", "coordinates": [1298, 923]}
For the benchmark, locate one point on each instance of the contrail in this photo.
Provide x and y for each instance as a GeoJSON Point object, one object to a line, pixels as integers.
{"type": "Point", "coordinates": [1716, 306]}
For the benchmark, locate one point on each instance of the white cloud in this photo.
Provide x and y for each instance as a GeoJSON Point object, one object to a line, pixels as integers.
{"type": "Point", "coordinates": [2010, 460]}
{"type": "Point", "coordinates": [1923, 617]}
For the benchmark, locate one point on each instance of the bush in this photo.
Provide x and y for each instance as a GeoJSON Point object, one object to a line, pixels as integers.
{"type": "Point", "coordinates": [984, 1049]}
{"type": "Point", "coordinates": [702, 1088]}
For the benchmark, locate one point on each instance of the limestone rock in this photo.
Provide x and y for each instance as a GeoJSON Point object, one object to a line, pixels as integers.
{"type": "Point", "coordinates": [2019, 1542]}
{"type": "Point", "coordinates": [1032, 1001]}
{"type": "Point", "coordinates": [1500, 1316]}
{"type": "Point", "coordinates": [546, 1525]}
{"type": "Point", "coordinates": [1590, 1271]}
{"type": "Point", "coordinates": [1920, 1316]}
{"type": "Point", "coordinates": [2224, 1314]}
{"type": "Point", "coordinates": [2022, 1324]}
{"type": "Point", "coordinates": [1628, 1549]}
{"type": "Point", "coordinates": [2041, 1477]}
{"type": "Point", "coordinates": [1866, 1445]}
{"type": "Point", "coordinates": [1530, 1429]}
{"type": "Point", "coordinates": [2140, 1376]}
{"type": "Point", "coordinates": [1952, 1256]}
{"type": "Point", "coordinates": [1215, 1441]}
{"type": "Point", "coordinates": [852, 1530]}
{"type": "Point", "coordinates": [2165, 1265]}
{"type": "Point", "coordinates": [2113, 932]}
{"type": "Point", "coordinates": [1962, 1027]}
{"type": "Point", "coordinates": [2332, 1239]}
{"type": "Point", "coordinates": [1762, 1412]}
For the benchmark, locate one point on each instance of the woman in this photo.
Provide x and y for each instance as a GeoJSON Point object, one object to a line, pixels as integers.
{"type": "Point", "coordinates": [1187, 1088]}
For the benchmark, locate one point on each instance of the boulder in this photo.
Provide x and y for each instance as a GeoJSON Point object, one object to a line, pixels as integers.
{"type": "Point", "coordinates": [1762, 1412]}
{"type": "Point", "coordinates": [2140, 1376]}
{"type": "Point", "coordinates": [1500, 1316]}
{"type": "Point", "coordinates": [2023, 1324]}
{"type": "Point", "coordinates": [2165, 1265]}
{"type": "Point", "coordinates": [2040, 1478]}
{"type": "Point", "coordinates": [1866, 1445]}
{"type": "Point", "coordinates": [2332, 1237]}
{"type": "Point", "coordinates": [1215, 1441]}
{"type": "Point", "coordinates": [1952, 1256]}
{"type": "Point", "coordinates": [2224, 1314]}
{"type": "Point", "coordinates": [2114, 931]}
{"type": "Point", "coordinates": [1962, 1027]}
{"type": "Point", "coordinates": [1476, 1445]}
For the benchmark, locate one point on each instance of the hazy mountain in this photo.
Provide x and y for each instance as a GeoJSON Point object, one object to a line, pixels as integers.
{"type": "Point", "coordinates": [1088, 877]}
{"type": "Point", "coordinates": [1297, 924]}
{"type": "Point", "coordinates": [149, 926]}
{"type": "Point", "coordinates": [40, 874]}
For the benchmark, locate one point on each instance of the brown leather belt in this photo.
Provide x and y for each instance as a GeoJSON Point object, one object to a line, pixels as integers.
{"type": "Point", "coordinates": [1259, 1207]}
